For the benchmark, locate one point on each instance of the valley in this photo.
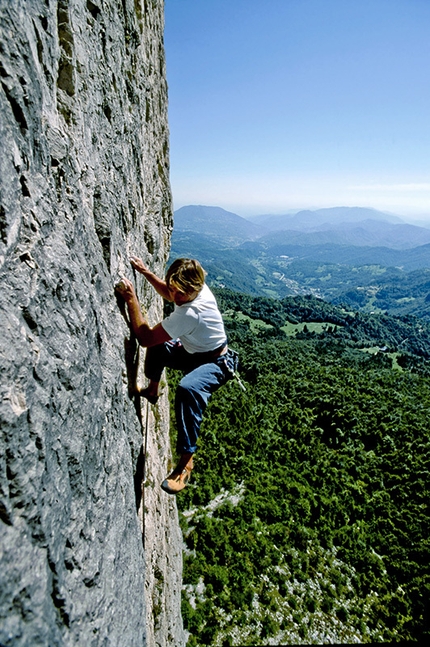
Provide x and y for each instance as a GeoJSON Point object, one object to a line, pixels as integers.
{"type": "Point", "coordinates": [392, 275]}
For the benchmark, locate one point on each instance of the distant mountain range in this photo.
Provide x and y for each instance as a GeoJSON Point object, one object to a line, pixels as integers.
{"type": "Point", "coordinates": [341, 255]}
{"type": "Point", "coordinates": [366, 233]}
{"type": "Point", "coordinates": [340, 225]}
{"type": "Point", "coordinates": [225, 226]}
{"type": "Point", "coordinates": [321, 218]}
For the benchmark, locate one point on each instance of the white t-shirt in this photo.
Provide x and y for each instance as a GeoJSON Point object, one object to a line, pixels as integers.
{"type": "Point", "coordinates": [198, 323]}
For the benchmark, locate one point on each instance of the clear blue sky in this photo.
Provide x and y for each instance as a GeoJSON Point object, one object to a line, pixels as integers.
{"type": "Point", "coordinates": [277, 105]}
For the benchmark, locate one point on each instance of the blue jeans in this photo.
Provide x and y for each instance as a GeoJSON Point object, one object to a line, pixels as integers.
{"type": "Point", "coordinates": [204, 374]}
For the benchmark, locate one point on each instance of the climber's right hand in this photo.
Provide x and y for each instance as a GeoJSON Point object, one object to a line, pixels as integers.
{"type": "Point", "coordinates": [138, 264]}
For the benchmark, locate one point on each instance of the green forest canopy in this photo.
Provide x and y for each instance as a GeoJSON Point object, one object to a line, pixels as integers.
{"type": "Point", "coordinates": [307, 516]}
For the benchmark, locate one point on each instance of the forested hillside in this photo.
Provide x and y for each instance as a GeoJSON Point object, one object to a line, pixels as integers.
{"type": "Point", "coordinates": [307, 519]}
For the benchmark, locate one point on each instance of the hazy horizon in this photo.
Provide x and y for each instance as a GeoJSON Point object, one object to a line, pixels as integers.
{"type": "Point", "coordinates": [423, 220]}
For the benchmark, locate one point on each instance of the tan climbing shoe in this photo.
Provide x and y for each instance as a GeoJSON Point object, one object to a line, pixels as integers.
{"type": "Point", "coordinates": [177, 480]}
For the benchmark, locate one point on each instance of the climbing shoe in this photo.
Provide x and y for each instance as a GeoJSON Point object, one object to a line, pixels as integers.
{"type": "Point", "coordinates": [177, 480]}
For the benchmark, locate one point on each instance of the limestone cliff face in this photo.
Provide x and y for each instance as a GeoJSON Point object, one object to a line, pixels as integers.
{"type": "Point", "coordinates": [84, 184]}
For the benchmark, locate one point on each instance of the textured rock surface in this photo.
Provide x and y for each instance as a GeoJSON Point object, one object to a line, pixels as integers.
{"type": "Point", "coordinates": [84, 183]}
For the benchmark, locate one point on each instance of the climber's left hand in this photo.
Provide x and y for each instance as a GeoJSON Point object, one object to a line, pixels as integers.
{"type": "Point", "coordinates": [125, 288]}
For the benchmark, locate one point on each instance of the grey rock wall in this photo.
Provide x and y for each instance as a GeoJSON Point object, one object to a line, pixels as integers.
{"type": "Point", "coordinates": [88, 556]}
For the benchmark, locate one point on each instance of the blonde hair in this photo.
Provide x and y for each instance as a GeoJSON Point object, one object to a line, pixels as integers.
{"type": "Point", "coordinates": [186, 275]}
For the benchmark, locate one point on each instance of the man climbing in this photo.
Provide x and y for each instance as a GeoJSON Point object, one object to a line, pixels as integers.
{"type": "Point", "coordinates": [193, 340]}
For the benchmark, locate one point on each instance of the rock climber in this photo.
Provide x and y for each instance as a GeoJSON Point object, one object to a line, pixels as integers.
{"type": "Point", "coordinates": [193, 340]}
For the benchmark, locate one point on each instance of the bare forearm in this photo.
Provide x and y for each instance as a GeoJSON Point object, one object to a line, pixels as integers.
{"type": "Point", "coordinates": [158, 284]}
{"type": "Point", "coordinates": [138, 321]}
{"type": "Point", "coordinates": [145, 335]}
